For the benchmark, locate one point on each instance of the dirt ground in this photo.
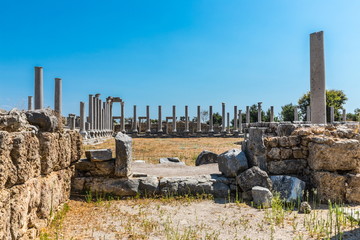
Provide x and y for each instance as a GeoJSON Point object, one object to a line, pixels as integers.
{"type": "Point", "coordinates": [186, 149]}
{"type": "Point", "coordinates": [189, 219]}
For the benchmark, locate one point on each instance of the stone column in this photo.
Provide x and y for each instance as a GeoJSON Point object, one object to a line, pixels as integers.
{"type": "Point", "coordinates": [235, 120]}
{"type": "Point", "coordinates": [332, 117]}
{"type": "Point", "coordinates": [271, 113]}
{"type": "Point", "coordinates": [134, 127]}
{"type": "Point", "coordinates": [91, 114]}
{"type": "Point", "coordinates": [82, 120]}
{"type": "Point", "coordinates": [122, 109]}
{"type": "Point", "coordinates": [186, 119]}
{"type": "Point", "coordinates": [211, 120]}
{"type": "Point", "coordinates": [148, 123]}
{"type": "Point", "coordinates": [223, 127]}
{"type": "Point", "coordinates": [100, 116]}
{"type": "Point", "coordinates": [159, 120]}
{"type": "Point", "coordinates": [174, 119]}
{"type": "Point", "coordinates": [308, 114]}
{"type": "Point", "coordinates": [317, 79]}
{"type": "Point", "coordinates": [30, 104]}
{"type": "Point", "coordinates": [228, 122]}
{"type": "Point", "coordinates": [58, 96]}
{"type": "Point", "coordinates": [240, 121]}
{"type": "Point", "coordinates": [39, 89]}
{"type": "Point", "coordinates": [296, 114]}
{"type": "Point", "coordinates": [344, 115]}
{"type": "Point", "coordinates": [95, 115]}
{"type": "Point", "coordinates": [111, 117]}
{"type": "Point", "coordinates": [72, 121]}
{"type": "Point", "coordinates": [247, 114]}
{"type": "Point", "coordinates": [198, 120]}
{"type": "Point", "coordinates": [259, 112]}
{"type": "Point", "coordinates": [87, 127]}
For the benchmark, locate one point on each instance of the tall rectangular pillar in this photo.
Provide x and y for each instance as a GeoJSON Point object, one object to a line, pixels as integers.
{"type": "Point", "coordinates": [317, 78]}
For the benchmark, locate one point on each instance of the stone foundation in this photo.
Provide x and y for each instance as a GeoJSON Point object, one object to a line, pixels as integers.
{"type": "Point", "coordinates": [35, 171]}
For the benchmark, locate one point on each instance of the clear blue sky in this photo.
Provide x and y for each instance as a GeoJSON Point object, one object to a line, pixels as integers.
{"type": "Point", "coordinates": [185, 52]}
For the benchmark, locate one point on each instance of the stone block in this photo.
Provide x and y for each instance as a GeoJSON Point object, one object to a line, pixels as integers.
{"type": "Point", "coordinates": [5, 214]}
{"type": "Point", "coordinates": [298, 153]}
{"type": "Point", "coordinates": [291, 189]}
{"type": "Point", "coordinates": [49, 152]}
{"type": "Point", "coordinates": [114, 186]}
{"type": "Point", "coordinates": [272, 142]}
{"type": "Point", "coordinates": [65, 150]}
{"type": "Point", "coordinates": [8, 176]}
{"type": "Point", "coordinates": [44, 119]}
{"type": "Point", "coordinates": [206, 157]}
{"type": "Point", "coordinates": [255, 149]}
{"type": "Point", "coordinates": [286, 153]}
{"type": "Point", "coordinates": [330, 186]}
{"type": "Point", "coordinates": [104, 168]}
{"type": "Point", "coordinates": [76, 145]}
{"type": "Point", "coordinates": [274, 153]}
{"type": "Point", "coordinates": [353, 188]}
{"type": "Point", "coordinates": [232, 162]}
{"type": "Point", "coordinates": [123, 155]}
{"type": "Point", "coordinates": [253, 177]}
{"type": "Point", "coordinates": [287, 167]}
{"type": "Point", "coordinates": [261, 196]}
{"type": "Point", "coordinates": [284, 142]}
{"type": "Point", "coordinates": [98, 155]}
{"type": "Point", "coordinates": [343, 155]}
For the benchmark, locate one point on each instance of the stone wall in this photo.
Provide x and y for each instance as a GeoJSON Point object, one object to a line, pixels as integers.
{"type": "Point", "coordinates": [36, 157]}
{"type": "Point", "coordinates": [327, 157]}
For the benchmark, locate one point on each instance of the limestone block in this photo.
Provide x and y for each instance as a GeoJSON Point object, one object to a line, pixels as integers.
{"type": "Point", "coordinates": [8, 172]}
{"type": "Point", "coordinates": [77, 184]}
{"type": "Point", "coordinates": [76, 145]}
{"type": "Point", "coordinates": [98, 155]}
{"type": "Point", "coordinates": [272, 142]}
{"type": "Point", "coordinates": [149, 186]}
{"type": "Point", "coordinates": [115, 186]}
{"type": "Point", "coordinates": [353, 188]}
{"type": "Point", "coordinates": [232, 162]}
{"type": "Point", "coordinates": [285, 167]}
{"type": "Point", "coordinates": [261, 196]}
{"type": "Point", "coordinates": [291, 189]}
{"type": "Point", "coordinates": [284, 142]}
{"type": "Point", "coordinates": [123, 155]}
{"type": "Point", "coordinates": [285, 129]}
{"type": "Point", "coordinates": [298, 152]}
{"type": "Point", "coordinates": [255, 149]}
{"type": "Point", "coordinates": [5, 214]}
{"type": "Point", "coordinates": [14, 121]}
{"type": "Point", "coordinates": [104, 168]}
{"type": "Point", "coordinates": [253, 177]}
{"type": "Point", "coordinates": [294, 141]}
{"type": "Point", "coordinates": [330, 186]}
{"type": "Point", "coordinates": [286, 153]}
{"type": "Point", "coordinates": [44, 119]}
{"type": "Point", "coordinates": [65, 150]}
{"type": "Point", "coordinates": [274, 153]}
{"type": "Point", "coordinates": [341, 155]}
{"type": "Point", "coordinates": [206, 157]}
{"type": "Point", "coordinates": [49, 148]}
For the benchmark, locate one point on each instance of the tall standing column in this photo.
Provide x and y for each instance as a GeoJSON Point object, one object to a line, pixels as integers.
{"type": "Point", "coordinates": [228, 122]}
{"type": "Point", "coordinates": [159, 120]}
{"type": "Point", "coordinates": [148, 123]}
{"type": "Point", "coordinates": [235, 120]}
{"type": "Point", "coordinates": [211, 120]}
{"type": "Point", "coordinates": [247, 114]}
{"type": "Point", "coordinates": [82, 120]}
{"type": "Point", "coordinates": [100, 116]}
{"type": "Point", "coordinates": [91, 114]}
{"type": "Point", "coordinates": [198, 125]}
{"type": "Point", "coordinates": [344, 115]}
{"type": "Point", "coordinates": [58, 96]}
{"type": "Point", "coordinates": [259, 111]}
{"type": "Point", "coordinates": [39, 89]}
{"type": "Point", "coordinates": [223, 127]}
{"type": "Point", "coordinates": [134, 121]}
{"type": "Point", "coordinates": [240, 121]}
{"type": "Point", "coordinates": [186, 119]}
{"type": "Point", "coordinates": [271, 113]}
{"type": "Point", "coordinates": [30, 104]}
{"type": "Point", "coordinates": [308, 114]}
{"type": "Point", "coordinates": [332, 117]}
{"type": "Point", "coordinates": [95, 113]}
{"type": "Point", "coordinates": [174, 119]}
{"type": "Point", "coordinates": [111, 117]}
{"type": "Point", "coordinates": [317, 78]}
{"type": "Point", "coordinates": [296, 114]}
{"type": "Point", "coordinates": [122, 109]}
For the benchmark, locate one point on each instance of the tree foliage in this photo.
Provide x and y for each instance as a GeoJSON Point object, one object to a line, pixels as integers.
{"type": "Point", "coordinates": [287, 112]}
{"type": "Point", "coordinates": [334, 98]}
{"type": "Point", "coordinates": [217, 118]}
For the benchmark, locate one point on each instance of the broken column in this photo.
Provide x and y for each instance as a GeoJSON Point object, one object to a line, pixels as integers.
{"type": "Point", "coordinates": [58, 96]}
{"type": "Point", "coordinates": [211, 120]}
{"type": "Point", "coordinates": [71, 122]}
{"type": "Point", "coordinates": [134, 121]}
{"type": "Point", "coordinates": [82, 120]}
{"type": "Point", "coordinates": [122, 109]}
{"type": "Point", "coordinates": [39, 90]}
{"type": "Point", "coordinates": [186, 119]}
{"type": "Point", "coordinates": [198, 124]}
{"type": "Point", "coordinates": [272, 114]}
{"type": "Point", "coordinates": [223, 127]}
{"type": "Point", "coordinates": [317, 79]}
{"type": "Point", "coordinates": [30, 104]}
{"type": "Point", "coordinates": [259, 112]}
{"type": "Point", "coordinates": [296, 114]}
{"type": "Point", "coordinates": [344, 115]}
{"type": "Point", "coordinates": [148, 123]}
{"type": "Point", "coordinates": [240, 122]}
{"type": "Point", "coordinates": [235, 120]}
{"type": "Point", "coordinates": [123, 155]}
{"type": "Point", "coordinates": [247, 114]}
{"type": "Point", "coordinates": [159, 121]}
{"type": "Point", "coordinates": [174, 119]}
{"type": "Point", "coordinates": [228, 122]}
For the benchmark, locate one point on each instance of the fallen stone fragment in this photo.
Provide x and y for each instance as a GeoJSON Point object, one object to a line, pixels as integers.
{"type": "Point", "coordinates": [290, 188]}
{"type": "Point", "coordinates": [305, 208]}
{"type": "Point", "coordinates": [123, 155]}
{"type": "Point", "coordinates": [253, 177]}
{"type": "Point", "coordinates": [232, 162]}
{"type": "Point", "coordinates": [171, 160]}
{"type": "Point", "coordinates": [206, 157]}
{"type": "Point", "coordinates": [98, 155]}
{"type": "Point", "coordinates": [261, 196]}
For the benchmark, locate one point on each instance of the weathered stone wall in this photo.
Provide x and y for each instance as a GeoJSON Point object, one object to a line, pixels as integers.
{"type": "Point", "coordinates": [35, 171]}
{"type": "Point", "coordinates": [327, 158]}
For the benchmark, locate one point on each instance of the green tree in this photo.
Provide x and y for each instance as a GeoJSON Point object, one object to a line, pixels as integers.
{"type": "Point", "coordinates": [254, 113]}
{"type": "Point", "coordinates": [353, 116]}
{"type": "Point", "coordinates": [334, 98]}
{"type": "Point", "coordinates": [217, 118]}
{"type": "Point", "coordinates": [287, 112]}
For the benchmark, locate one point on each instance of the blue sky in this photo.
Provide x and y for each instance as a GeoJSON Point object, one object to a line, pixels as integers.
{"type": "Point", "coordinates": [185, 52]}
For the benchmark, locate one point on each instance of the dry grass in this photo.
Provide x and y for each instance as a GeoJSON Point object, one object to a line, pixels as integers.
{"type": "Point", "coordinates": [187, 149]}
